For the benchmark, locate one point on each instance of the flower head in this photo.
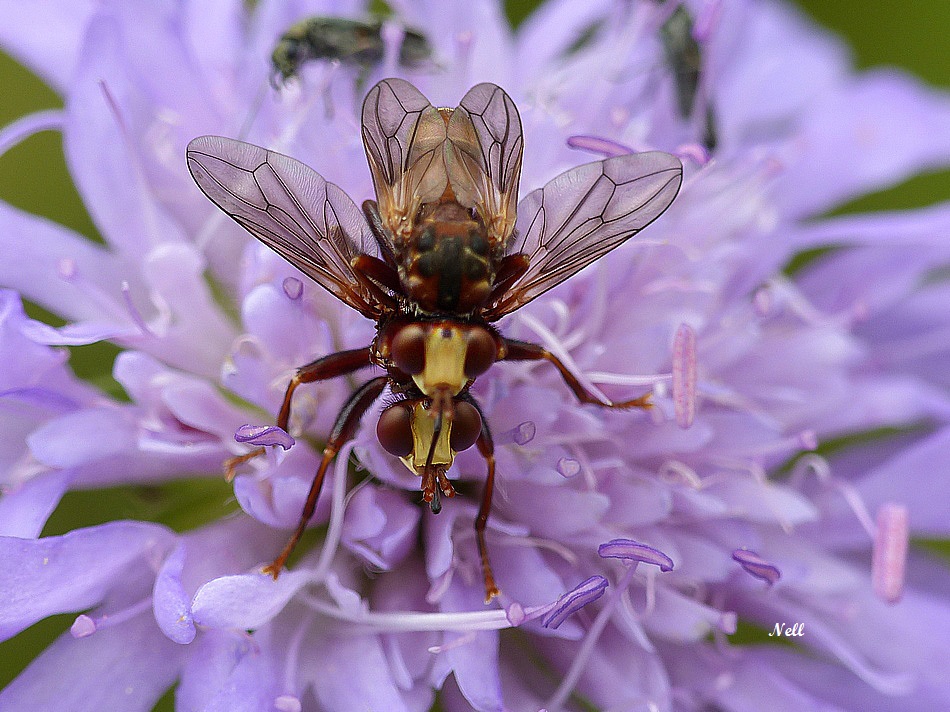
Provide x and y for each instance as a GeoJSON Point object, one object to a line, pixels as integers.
{"type": "Point", "coordinates": [755, 462]}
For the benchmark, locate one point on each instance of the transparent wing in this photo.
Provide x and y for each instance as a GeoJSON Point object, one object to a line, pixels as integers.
{"type": "Point", "coordinates": [289, 207]}
{"type": "Point", "coordinates": [583, 214]}
{"type": "Point", "coordinates": [403, 135]}
{"type": "Point", "coordinates": [483, 157]}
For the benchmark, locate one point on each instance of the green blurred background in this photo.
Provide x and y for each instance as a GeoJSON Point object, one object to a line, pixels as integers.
{"type": "Point", "coordinates": [912, 36]}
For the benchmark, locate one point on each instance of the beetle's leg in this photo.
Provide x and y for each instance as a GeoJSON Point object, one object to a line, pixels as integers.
{"type": "Point", "coordinates": [343, 430]}
{"type": "Point", "coordinates": [526, 351]}
{"type": "Point", "coordinates": [331, 366]}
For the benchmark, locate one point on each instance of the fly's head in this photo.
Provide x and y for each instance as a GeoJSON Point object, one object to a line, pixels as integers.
{"type": "Point", "coordinates": [426, 434]}
{"type": "Point", "coordinates": [441, 357]}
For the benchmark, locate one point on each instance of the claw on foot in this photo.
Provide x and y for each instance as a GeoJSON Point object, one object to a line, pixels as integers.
{"type": "Point", "coordinates": [231, 464]}
{"type": "Point", "coordinates": [641, 402]}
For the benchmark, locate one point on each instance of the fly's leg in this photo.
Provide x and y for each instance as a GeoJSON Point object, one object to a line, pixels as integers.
{"type": "Point", "coordinates": [486, 446]}
{"type": "Point", "coordinates": [343, 430]}
{"type": "Point", "coordinates": [526, 351]}
{"type": "Point", "coordinates": [331, 366]}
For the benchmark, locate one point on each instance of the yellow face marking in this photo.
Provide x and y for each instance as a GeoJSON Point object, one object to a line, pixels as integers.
{"type": "Point", "coordinates": [444, 362]}
{"type": "Point", "coordinates": [423, 428]}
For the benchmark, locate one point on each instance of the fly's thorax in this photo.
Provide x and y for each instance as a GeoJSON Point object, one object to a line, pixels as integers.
{"type": "Point", "coordinates": [408, 430]}
{"type": "Point", "coordinates": [448, 266]}
{"type": "Point", "coordinates": [441, 356]}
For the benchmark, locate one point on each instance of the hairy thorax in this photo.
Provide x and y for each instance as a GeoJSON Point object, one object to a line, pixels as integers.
{"type": "Point", "coordinates": [447, 266]}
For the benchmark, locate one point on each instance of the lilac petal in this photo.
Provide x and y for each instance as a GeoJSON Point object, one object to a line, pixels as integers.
{"type": "Point", "coordinates": [51, 53]}
{"type": "Point", "coordinates": [25, 362]}
{"type": "Point", "coordinates": [91, 560]}
{"type": "Point", "coordinates": [200, 335]}
{"type": "Point", "coordinates": [569, 603]}
{"type": "Point", "coordinates": [277, 499]}
{"type": "Point", "coordinates": [103, 155]}
{"type": "Point", "coordinates": [475, 663]}
{"type": "Point", "coordinates": [33, 252]}
{"type": "Point", "coordinates": [891, 126]}
{"type": "Point", "coordinates": [245, 601]}
{"type": "Point", "coordinates": [125, 667]}
{"type": "Point", "coordinates": [200, 405]}
{"type": "Point", "coordinates": [84, 436]}
{"type": "Point", "coordinates": [380, 525]}
{"type": "Point", "coordinates": [228, 671]}
{"type": "Point", "coordinates": [630, 550]}
{"type": "Point", "coordinates": [265, 435]}
{"type": "Point", "coordinates": [678, 617]}
{"type": "Point", "coordinates": [364, 682]}
{"type": "Point", "coordinates": [890, 552]}
{"type": "Point", "coordinates": [921, 465]}
{"type": "Point", "coordinates": [557, 511]}
{"type": "Point", "coordinates": [170, 603]}
{"type": "Point", "coordinates": [25, 509]}
{"type": "Point", "coordinates": [757, 566]}
{"type": "Point", "coordinates": [551, 29]}
{"type": "Point", "coordinates": [79, 333]}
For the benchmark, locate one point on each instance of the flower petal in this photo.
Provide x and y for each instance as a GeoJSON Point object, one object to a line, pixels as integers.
{"type": "Point", "coordinates": [91, 560]}
{"type": "Point", "coordinates": [24, 510]}
{"type": "Point", "coordinates": [125, 667]}
{"type": "Point", "coordinates": [172, 607]}
{"type": "Point", "coordinates": [245, 601]}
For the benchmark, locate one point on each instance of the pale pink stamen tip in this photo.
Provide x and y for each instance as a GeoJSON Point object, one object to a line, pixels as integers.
{"type": "Point", "coordinates": [82, 627]}
{"type": "Point", "coordinates": [728, 622]}
{"type": "Point", "coordinates": [808, 439]}
{"type": "Point", "coordinates": [684, 375]}
{"type": "Point", "coordinates": [567, 467]}
{"type": "Point", "coordinates": [763, 301]}
{"type": "Point", "coordinates": [287, 703]}
{"type": "Point", "coordinates": [890, 551]}
{"type": "Point", "coordinates": [515, 614]}
{"type": "Point", "coordinates": [293, 288]}
{"type": "Point", "coordinates": [67, 268]}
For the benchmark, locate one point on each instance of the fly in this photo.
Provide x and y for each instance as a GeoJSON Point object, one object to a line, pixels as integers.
{"type": "Point", "coordinates": [444, 252]}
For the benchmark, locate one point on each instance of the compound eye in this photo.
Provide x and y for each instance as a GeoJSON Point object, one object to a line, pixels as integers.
{"type": "Point", "coordinates": [480, 353]}
{"type": "Point", "coordinates": [394, 430]}
{"type": "Point", "coordinates": [466, 426]}
{"type": "Point", "coordinates": [408, 349]}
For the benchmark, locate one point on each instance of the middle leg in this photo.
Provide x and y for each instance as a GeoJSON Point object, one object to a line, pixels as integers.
{"type": "Point", "coordinates": [338, 364]}
{"type": "Point", "coordinates": [343, 430]}
{"type": "Point", "coordinates": [526, 351]}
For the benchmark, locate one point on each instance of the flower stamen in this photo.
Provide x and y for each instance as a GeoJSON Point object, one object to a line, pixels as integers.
{"type": "Point", "coordinates": [85, 625]}
{"type": "Point", "coordinates": [889, 556]}
{"type": "Point", "coordinates": [754, 564]}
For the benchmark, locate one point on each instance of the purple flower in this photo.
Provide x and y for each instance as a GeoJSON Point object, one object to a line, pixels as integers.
{"type": "Point", "coordinates": [801, 427]}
